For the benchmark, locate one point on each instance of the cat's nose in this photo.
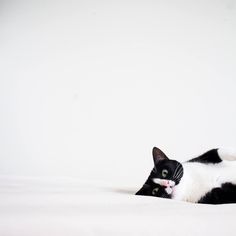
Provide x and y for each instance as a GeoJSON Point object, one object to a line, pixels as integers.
{"type": "Point", "coordinates": [168, 183]}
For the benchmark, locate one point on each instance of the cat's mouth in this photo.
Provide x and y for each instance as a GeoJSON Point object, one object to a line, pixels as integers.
{"type": "Point", "coordinates": [168, 184]}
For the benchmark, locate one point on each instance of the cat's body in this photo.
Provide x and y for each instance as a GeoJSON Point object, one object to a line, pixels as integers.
{"type": "Point", "coordinates": [209, 178]}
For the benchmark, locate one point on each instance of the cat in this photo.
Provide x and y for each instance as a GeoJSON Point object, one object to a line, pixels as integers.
{"type": "Point", "coordinates": [208, 179]}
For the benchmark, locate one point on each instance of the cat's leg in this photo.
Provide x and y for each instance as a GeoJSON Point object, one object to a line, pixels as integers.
{"type": "Point", "coordinates": [228, 154]}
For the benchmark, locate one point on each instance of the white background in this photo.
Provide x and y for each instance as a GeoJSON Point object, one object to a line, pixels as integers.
{"type": "Point", "coordinates": [87, 88]}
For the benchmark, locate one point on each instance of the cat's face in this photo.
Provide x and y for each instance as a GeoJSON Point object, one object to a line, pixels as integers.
{"type": "Point", "coordinates": [169, 170]}
{"type": "Point", "coordinates": [164, 176]}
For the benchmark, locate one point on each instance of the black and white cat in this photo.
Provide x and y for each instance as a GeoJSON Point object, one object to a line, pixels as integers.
{"type": "Point", "coordinates": [209, 178]}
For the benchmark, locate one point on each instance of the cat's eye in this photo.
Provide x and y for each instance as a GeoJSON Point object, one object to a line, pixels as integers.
{"type": "Point", "coordinates": [164, 173]}
{"type": "Point", "coordinates": [154, 191]}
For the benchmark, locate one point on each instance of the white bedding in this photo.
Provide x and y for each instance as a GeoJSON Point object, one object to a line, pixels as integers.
{"type": "Point", "coordinates": [67, 207]}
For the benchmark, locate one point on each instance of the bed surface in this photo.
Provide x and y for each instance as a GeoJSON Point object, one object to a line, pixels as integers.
{"type": "Point", "coordinates": [67, 206]}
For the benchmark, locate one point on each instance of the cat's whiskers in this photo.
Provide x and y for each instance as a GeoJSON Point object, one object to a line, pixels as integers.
{"type": "Point", "coordinates": [179, 174]}
{"type": "Point", "coordinates": [176, 170]}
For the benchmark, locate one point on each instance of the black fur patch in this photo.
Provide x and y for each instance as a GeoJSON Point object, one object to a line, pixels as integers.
{"type": "Point", "coordinates": [208, 157]}
{"type": "Point", "coordinates": [149, 190]}
{"type": "Point", "coordinates": [225, 194]}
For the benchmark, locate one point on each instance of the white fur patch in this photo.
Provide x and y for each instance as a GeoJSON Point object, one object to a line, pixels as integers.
{"type": "Point", "coordinates": [169, 190]}
{"type": "Point", "coordinates": [199, 178]}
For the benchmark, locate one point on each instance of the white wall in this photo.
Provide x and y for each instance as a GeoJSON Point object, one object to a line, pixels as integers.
{"type": "Point", "coordinates": [88, 87]}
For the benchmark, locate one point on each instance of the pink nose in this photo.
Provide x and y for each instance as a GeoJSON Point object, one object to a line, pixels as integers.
{"type": "Point", "coordinates": [166, 183]}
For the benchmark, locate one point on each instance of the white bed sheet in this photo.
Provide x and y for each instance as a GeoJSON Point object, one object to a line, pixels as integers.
{"type": "Point", "coordinates": [68, 207]}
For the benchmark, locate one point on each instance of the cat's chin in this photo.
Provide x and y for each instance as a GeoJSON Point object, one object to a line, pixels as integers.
{"type": "Point", "coordinates": [169, 190]}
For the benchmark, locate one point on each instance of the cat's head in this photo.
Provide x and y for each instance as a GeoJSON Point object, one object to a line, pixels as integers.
{"type": "Point", "coordinates": [165, 175]}
{"type": "Point", "coordinates": [164, 168]}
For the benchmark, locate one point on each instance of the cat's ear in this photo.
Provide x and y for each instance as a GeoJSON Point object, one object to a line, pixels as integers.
{"type": "Point", "coordinates": [158, 155]}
